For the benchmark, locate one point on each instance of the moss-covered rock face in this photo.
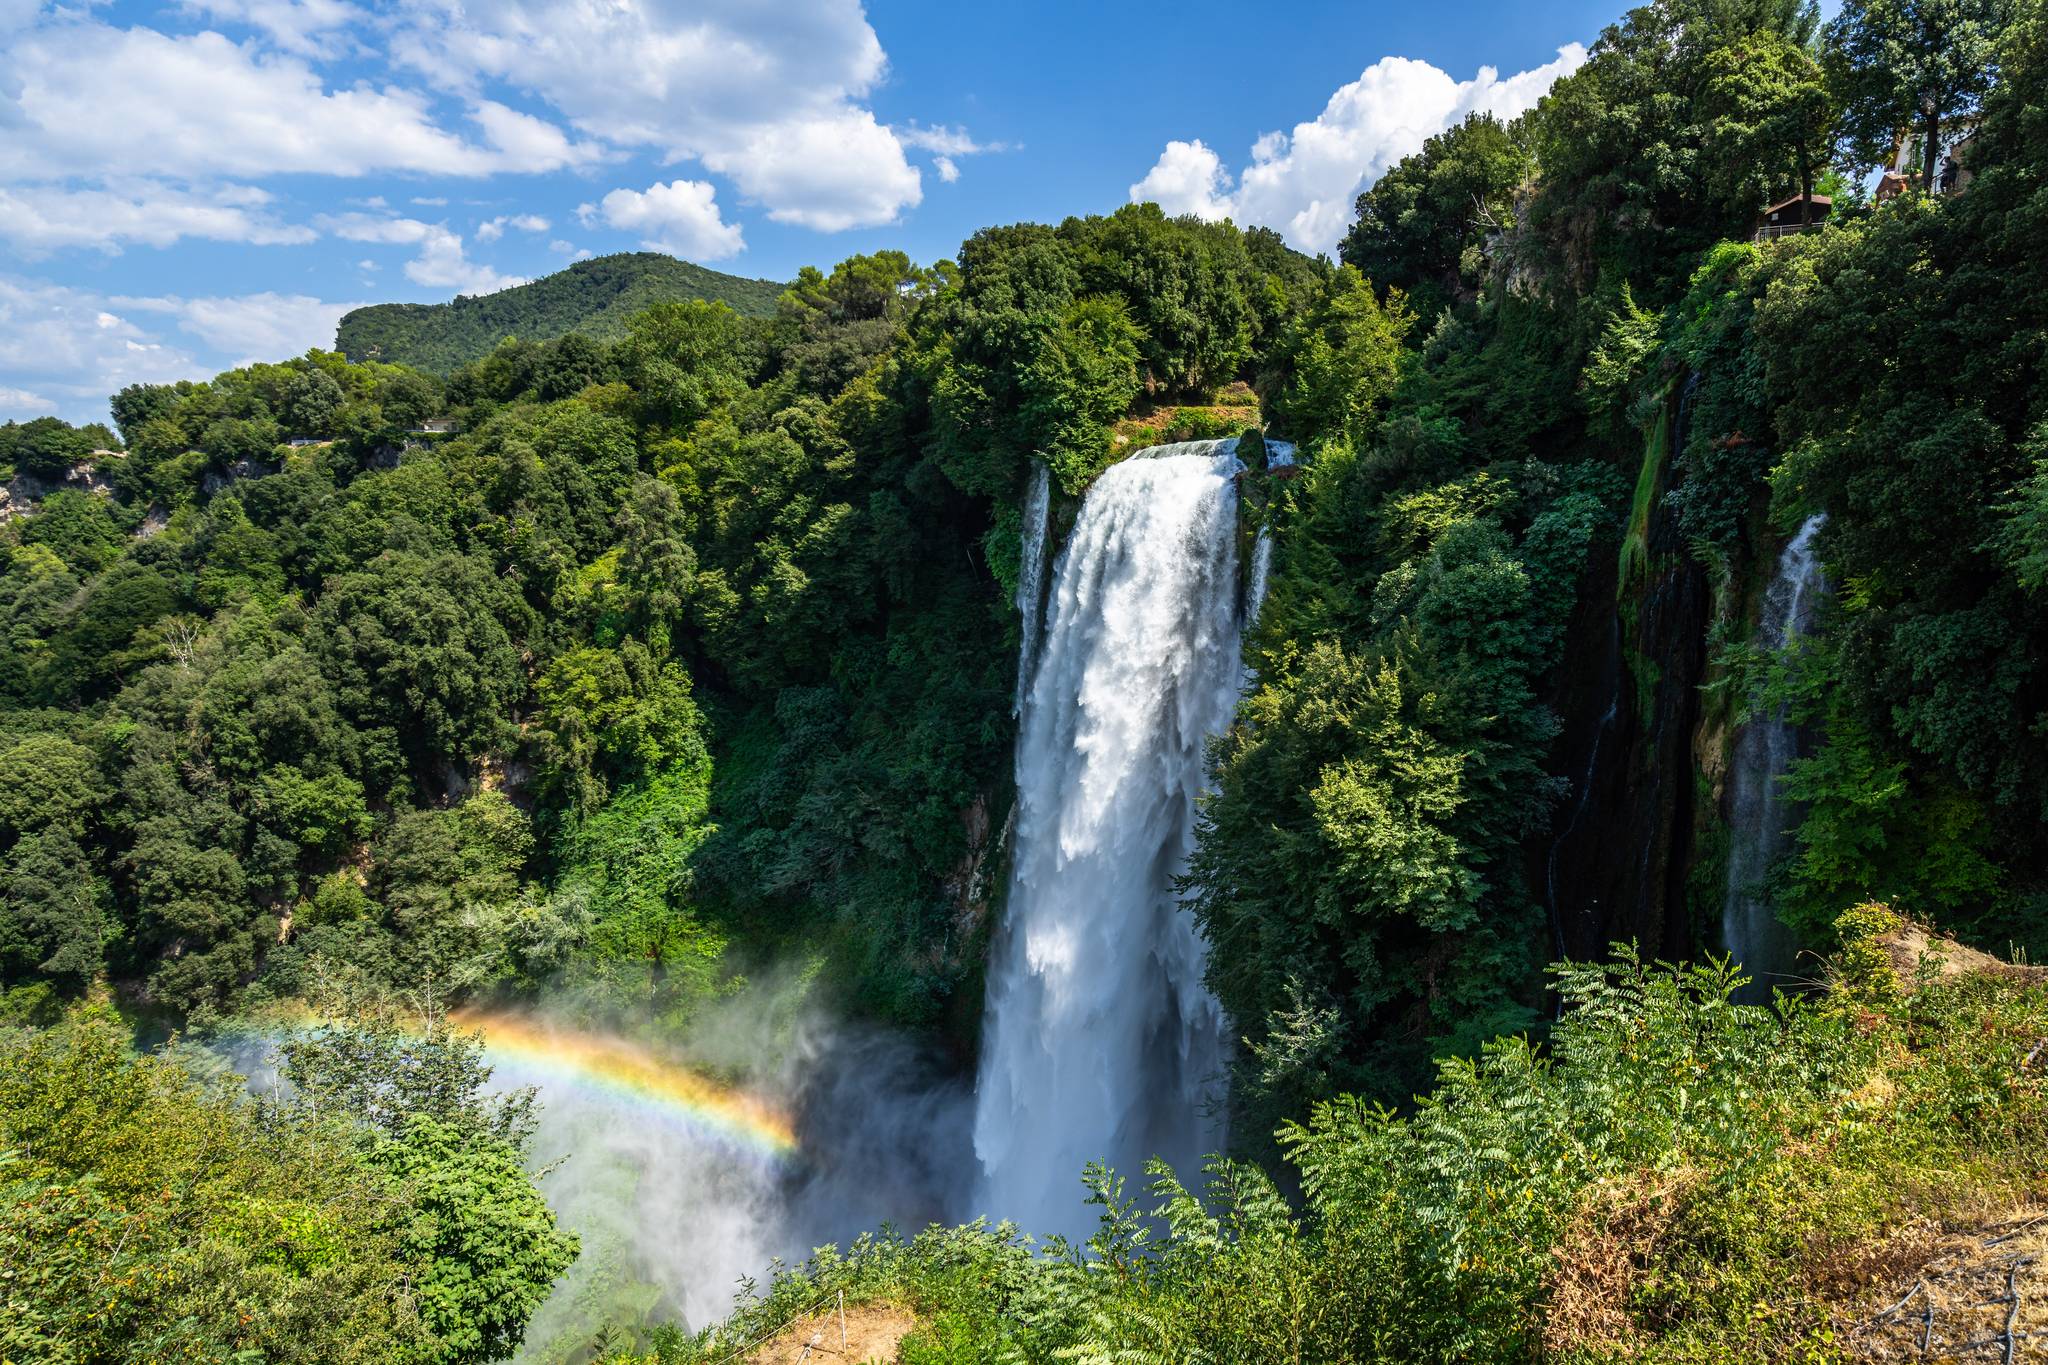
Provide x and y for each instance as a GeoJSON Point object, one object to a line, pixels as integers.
{"type": "Point", "coordinates": [1251, 448]}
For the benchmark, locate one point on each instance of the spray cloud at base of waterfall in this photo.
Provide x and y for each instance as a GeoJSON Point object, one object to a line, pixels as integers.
{"type": "Point", "coordinates": [688, 1162]}
{"type": "Point", "coordinates": [674, 1215]}
{"type": "Point", "coordinates": [1759, 817]}
{"type": "Point", "coordinates": [1101, 1042]}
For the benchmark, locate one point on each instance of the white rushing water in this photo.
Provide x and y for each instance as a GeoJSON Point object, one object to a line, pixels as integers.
{"type": "Point", "coordinates": [1262, 570]}
{"type": "Point", "coordinates": [1101, 1041]}
{"type": "Point", "coordinates": [1031, 574]}
{"type": "Point", "coordinates": [1759, 818]}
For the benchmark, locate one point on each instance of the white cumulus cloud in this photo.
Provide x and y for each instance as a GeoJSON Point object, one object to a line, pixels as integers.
{"type": "Point", "coordinates": [105, 101]}
{"type": "Point", "coordinates": [768, 95]}
{"type": "Point", "coordinates": [66, 349]}
{"type": "Point", "coordinates": [947, 146]}
{"type": "Point", "coordinates": [38, 218]}
{"type": "Point", "coordinates": [680, 217]}
{"type": "Point", "coordinates": [491, 229]}
{"type": "Point", "coordinates": [1187, 178]}
{"type": "Point", "coordinates": [1304, 183]}
{"type": "Point", "coordinates": [441, 263]}
{"type": "Point", "coordinates": [246, 328]}
{"type": "Point", "coordinates": [839, 170]}
{"type": "Point", "coordinates": [309, 28]}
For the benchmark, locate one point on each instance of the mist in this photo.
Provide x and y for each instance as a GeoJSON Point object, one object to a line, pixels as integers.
{"type": "Point", "coordinates": [675, 1220]}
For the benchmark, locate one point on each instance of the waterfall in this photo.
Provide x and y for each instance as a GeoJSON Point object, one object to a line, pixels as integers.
{"type": "Point", "coordinates": [1031, 575]}
{"type": "Point", "coordinates": [1279, 455]}
{"type": "Point", "coordinates": [1759, 819]}
{"type": "Point", "coordinates": [1262, 569]}
{"type": "Point", "coordinates": [1101, 1041]}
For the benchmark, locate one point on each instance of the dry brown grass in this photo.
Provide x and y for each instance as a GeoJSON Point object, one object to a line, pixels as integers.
{"type": "Point", "coordinates": [1977, 1294]}
{"type": "Point", "coordinates": [1914, 949]}
{"type": "Point", "coordinates": [1594, 1267]}
{"type": "Point", "coordinates": [872, 1333]}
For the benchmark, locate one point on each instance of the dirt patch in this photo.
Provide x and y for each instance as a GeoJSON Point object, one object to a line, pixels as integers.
{"type": "Point", "coordinates": [872, 1333]}
{"type": "Point", "coordinates": [1915, 949]}
{"type": "Point", "coordinates": [1981, 1296]}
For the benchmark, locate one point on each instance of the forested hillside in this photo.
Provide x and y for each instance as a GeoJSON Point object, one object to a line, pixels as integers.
{"type": "Point", "coordinates": [682, 655]}
{"type": "Point", "coordinates": [687, 656]}
{"type": "Point", "coordinates": [594, 298]}
{"type": "Point", "coordinates": [684, 646]}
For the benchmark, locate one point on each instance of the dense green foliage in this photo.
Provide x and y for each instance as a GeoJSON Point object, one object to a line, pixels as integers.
{"type": "Point", "coordinates": [1366, 874]}
{"type": "Point", "coordinates": [1675, 1178]}
{"type": "Point", "coordinates": [1913, 65]}
{"type": "Point", "coordinates": [663, 637]}
{"type": "Point", "coordinates": [594, 299]}
{"type": "Point", "coordinates": [1423, 225]}
{"type": "Point", "coordinates": [382, 1214]}
{"type": "Point", "coordinates": [1898, 367]}
{"type": "Point", "coordinates": [675, 654]}
{"type": "Point", "coordinates": [48, 448]}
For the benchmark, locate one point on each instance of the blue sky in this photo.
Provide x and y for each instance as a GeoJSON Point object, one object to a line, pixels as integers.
{"type": "Point", "coordinates": [186, 186]}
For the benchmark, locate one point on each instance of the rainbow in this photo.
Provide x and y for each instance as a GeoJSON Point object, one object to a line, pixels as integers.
{"type": "Point", "coordinates": [639, 1077]}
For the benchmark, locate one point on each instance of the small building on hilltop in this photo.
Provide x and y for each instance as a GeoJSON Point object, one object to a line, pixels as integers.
{"type": "Point", "coordinates": [1796, 214]}
{"type": "Point", "coordinates": [1907, 168]}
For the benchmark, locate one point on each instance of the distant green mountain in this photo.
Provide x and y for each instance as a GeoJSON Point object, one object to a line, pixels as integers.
{"type": "Point", "coordinates": [594, 297]}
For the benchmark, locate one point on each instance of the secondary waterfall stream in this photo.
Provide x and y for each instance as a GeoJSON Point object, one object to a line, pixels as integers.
{"type": "Point", "coordinates": [1101, 1042]}
{"type": "Point", "coordinates": [1759, 818]}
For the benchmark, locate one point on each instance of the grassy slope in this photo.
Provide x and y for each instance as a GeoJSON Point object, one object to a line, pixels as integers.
{"type": "Point", "coordinates": [594, 297]}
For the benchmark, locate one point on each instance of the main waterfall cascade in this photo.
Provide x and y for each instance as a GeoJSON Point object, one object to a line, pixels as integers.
{"type": "Point", "coordinates": [1759, 818]}
{"type": "Point", "coordinates": [1101, 1042]}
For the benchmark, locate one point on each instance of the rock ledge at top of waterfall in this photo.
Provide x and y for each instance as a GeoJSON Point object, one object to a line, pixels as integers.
{"type": "Point", "coordinates": [1279, 454]}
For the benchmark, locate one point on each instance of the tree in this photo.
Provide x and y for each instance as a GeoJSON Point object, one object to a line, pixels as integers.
{"type": "Point", "coordinates": [424, 647]}
{"type": "Point", "coordinates": [610, 716]}
{"type": "Point", "coordinates": [656, 561]}
{"type": "Point", "coordinates": [147, 1214]}
{"type": "Point", "coordinates": [108, 634]}
{"type": "Point", "coordinates": [1772, 120]}
{"type": "Point", "coordinates": [687, 357]}
{"type": "Point", "coordinates": [1624, 143]}
{"type": "Point", "coordinates": [234, 440]}
{"type": "Point", "coordinates": [1082, 379]}
{"type": "Point", "coordinates": [1188, 286]}
{"type": "Point", "coordinates": [1341, 361]}
{"type": "Point", "coordinates": [48, 782]}
{"type": "Point", "coordinates": [484, 1237]}
{"type": "Point", "coordinates": [44, 447]}
{"type": "Point", "coordinates": [447, 879]}
{"type": "Point", "coordinates": [55, 912]}
{"type": "Point", "coordinates": [383, 1065]}
{"type": "Point", "coordinates": [1417, 222]}
{"type": "Point", "coordinates": [312, 402]}
{"type": "Point", "coordinates": [407, 397]}
{"type": "Point", "coordinates": [139, 404]}
{"type": "Point", "coordinates": [482, 1240]}
{"type": "Point", "coordinates": [1911, 64]}
{"type": "Point", "coordinates": [572, 364]}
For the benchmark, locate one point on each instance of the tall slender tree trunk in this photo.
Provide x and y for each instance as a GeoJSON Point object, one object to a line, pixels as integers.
{"type": "Point", "coordinates": [1805, 183]}
{"type": "Point", "coordinates": [1933, 150]}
